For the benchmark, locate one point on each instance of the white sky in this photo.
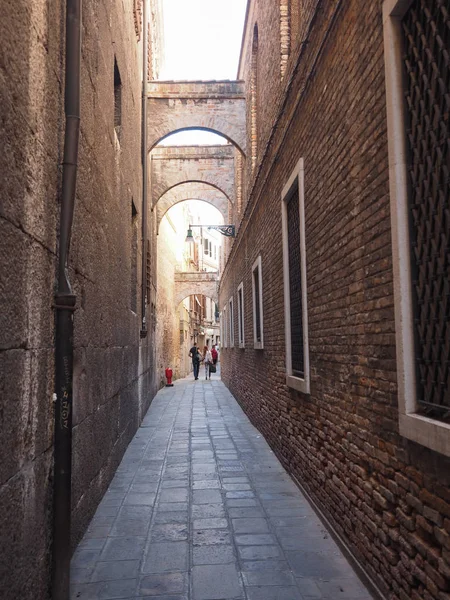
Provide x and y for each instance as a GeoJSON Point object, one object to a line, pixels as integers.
{"type": "Point", "coordinates": [202, 38]}
{"type": "Point", "coordinates": [202, 41]}
{"type": "Point", "coordinates": [194, 136]}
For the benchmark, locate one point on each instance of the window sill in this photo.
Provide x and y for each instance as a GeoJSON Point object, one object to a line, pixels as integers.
{"type": "Point", "coordinates": [425, 431]}
{"type": "Point", "coordinates": [301, 385]}
{"type": "Point", "coordinates": [259, 346]}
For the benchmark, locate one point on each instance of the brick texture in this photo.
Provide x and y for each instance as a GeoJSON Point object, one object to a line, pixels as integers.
{"type": "Point", "coordinates": [387, 497]}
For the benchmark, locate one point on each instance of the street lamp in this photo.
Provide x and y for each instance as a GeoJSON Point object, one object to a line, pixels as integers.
{"type": "Point", "coordinates": [226, 230]}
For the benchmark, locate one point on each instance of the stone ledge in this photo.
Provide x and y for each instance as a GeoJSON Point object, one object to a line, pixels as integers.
{"type": "Point", "coordinates": [196, 89]}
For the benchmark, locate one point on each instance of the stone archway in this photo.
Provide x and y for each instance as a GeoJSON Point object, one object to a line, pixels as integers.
{"type": "Point", "coordinates": [192, 190]}
{"type": "Point", "coordinates": [173, 165]}
{"type": "Point", "coordinates": [196, 283]}
{"type": "Point", "coordinates": [217, 106]}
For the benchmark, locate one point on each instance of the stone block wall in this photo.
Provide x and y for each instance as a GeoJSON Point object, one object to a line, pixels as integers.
{"type": "Point", "coordinates": [386, 497]}
{"type": "Point", "coordinates": [217, 106]}
{"type": "Point", "coordinates": [30, 139]}
{"type": "Point", "coordinates": [172, 166]}
{"type": "Point", "coordinates": [113, 376]}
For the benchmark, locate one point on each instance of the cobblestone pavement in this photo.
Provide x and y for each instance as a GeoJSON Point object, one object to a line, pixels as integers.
{"type": "Point", "coordinates": [200, 509]}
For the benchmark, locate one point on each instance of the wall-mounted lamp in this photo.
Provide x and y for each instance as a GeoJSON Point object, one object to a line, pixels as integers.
{"type": "Point", "coordinates": [226, 230]}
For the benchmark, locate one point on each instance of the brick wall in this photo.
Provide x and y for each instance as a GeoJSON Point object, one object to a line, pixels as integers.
{"type": "Point", "coordinates": [387, 497]}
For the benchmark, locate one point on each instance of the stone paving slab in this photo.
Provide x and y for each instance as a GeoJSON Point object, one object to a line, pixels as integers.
{"type": "Point", "coordinates": [201, 509]}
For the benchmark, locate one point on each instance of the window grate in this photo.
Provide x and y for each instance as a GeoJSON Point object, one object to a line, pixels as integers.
{"type": "Point", "coordinates": [426, 28]}
{"type": "Point", "coordinates": [295, 283]}
{"type": "Point", "coordinates": [231, 318]}
{"type": "Point", "coordinates": [241, 316]}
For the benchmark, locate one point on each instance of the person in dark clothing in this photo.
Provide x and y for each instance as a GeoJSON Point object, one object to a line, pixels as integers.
{"type": "Point", "coordinates": [195, 354]}
{"type": "Point", "coordinates": [214, 354]}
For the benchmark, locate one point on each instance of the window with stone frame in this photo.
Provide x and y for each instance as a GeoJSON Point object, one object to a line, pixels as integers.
{"type": "Point", "coordinates": [224, 327]}
{"type": "Point", "coordinates": [231, 321]}
{"type": "Point", "coordinates": [240, 302]}
{"type": "Point", "coordinates": [258, 334]}
{"type": "Point", "coordinates": [295, 283]}
{"type": "Point", "coordinates": [417, 43]}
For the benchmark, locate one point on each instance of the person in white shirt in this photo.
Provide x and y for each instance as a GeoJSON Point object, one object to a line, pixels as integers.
{"type": "Point", "coordinates": [207, 358]}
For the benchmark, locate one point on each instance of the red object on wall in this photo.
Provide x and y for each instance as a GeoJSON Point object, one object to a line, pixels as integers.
{"type": "Point", "coordinates": [169, 374]}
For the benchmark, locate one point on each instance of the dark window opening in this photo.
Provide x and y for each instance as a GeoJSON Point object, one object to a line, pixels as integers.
{"type": "Point", "coordinates": [216, 312]}
{"type": "Point", "coordinates": [295, 282]}
{"type": "Point", "coordinates": [117, 100]}
{"type": "Point", "coordinates": [148, 273]}
{"type": "Point", "coordinates": [425, 27]}
{"type": "Point", "coordinates": [231, 324]}
{"type": "Point", "coordinates": [134, 258]}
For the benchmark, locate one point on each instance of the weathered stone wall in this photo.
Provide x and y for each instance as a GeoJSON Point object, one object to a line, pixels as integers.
{"type": "Point", "coordinates": [387, 497]}
{"type": "Point", "coordinates": [112, 377]}
{"type": "Point", "coordinates": [111, 365]}
{"type": "Point", "coordinates": [217, 106]}
{"type": "Point", "coordinates": [30, 128]}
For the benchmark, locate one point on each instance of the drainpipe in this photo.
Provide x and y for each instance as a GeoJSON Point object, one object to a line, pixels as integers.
{"type": "Point", "coordinates": [144, 170]}
{"type": "Point", "coordinates": [65, 306]}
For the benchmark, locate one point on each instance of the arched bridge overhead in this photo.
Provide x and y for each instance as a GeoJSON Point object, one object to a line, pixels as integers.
{"type": "Point", "coordinates": [196, 283]}
{"type": "Point", "coordinates": [192, 191]}
{"type": "Point", "coordinates": [217, 106]}
{"type": "Point", "coordinates": [172, 165]}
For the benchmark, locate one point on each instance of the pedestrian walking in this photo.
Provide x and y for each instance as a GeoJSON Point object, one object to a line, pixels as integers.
{"type": "Point", "coordinates": [214, 354]}
{"type": "Point", "coordinates": [207, 358]}
{"type": "Point", "coordinates": [196, 357]}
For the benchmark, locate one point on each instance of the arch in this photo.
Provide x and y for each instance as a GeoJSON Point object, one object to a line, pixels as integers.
{"type": "Point", "coordinates": [217, 106]}
{"type": "Point", "coordinates": [194, 283]}
{"type": "Point", "coordinates": [174, 165]}
{"type": "Point", "coordinates": [192, 190]}
{"type": "Point", "coordinates": [214, 299]}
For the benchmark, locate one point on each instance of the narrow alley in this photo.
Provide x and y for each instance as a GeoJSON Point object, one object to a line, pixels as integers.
{"type": "Point", "coordinates": [261, 184]}
{"type": "Point", "coordinates": [201, 509]}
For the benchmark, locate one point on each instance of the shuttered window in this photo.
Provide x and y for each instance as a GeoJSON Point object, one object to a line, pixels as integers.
{"type": "Point", "coordinates": [426, 31]}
